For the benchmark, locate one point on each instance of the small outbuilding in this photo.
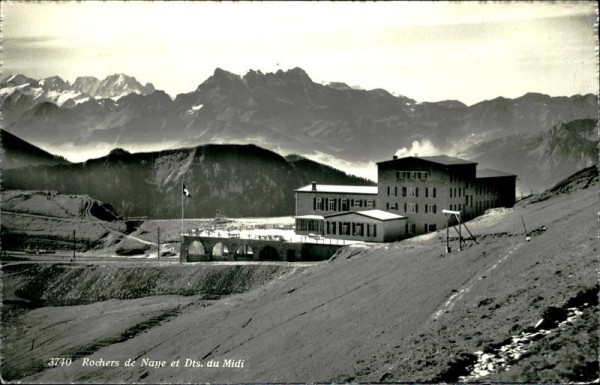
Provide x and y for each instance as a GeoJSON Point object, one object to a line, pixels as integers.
{"type": "Point", "coordinates": [366, 225]}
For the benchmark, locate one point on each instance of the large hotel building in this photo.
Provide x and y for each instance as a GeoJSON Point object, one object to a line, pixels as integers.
{"type": "Point", "coordinates": [410, 195]}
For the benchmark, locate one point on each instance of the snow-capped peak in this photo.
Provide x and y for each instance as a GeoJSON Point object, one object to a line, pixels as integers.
{"type": "Point", "coordinates": [58, 91]}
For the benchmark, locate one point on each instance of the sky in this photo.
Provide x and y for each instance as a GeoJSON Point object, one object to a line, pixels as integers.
{"type": "Point", "coordinates": [467, 51]}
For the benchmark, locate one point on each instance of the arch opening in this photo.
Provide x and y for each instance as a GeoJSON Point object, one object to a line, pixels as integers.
{"type": "Point", "coordinates": [220, 250]}
{"type": "Point", "coordinates": [244, 252]}
{"type": "Point", "coordinates": [196, 249]}
{"type": "Point", "coordinates": [268, 253]}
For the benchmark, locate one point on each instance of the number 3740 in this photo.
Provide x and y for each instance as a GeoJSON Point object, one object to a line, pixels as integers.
{"type": "Point", "coordinates": [60, 362]}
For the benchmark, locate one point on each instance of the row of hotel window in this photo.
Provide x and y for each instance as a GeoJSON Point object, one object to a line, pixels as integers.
{"type": "Point", "coordinates": [344, 204]}
{"type": "Point", "coordinates": [422, 175]}
{"type": "Point", "coordinates": [308, 225]}
{"type": "Point", "coordinates": [341, 228]}
{"type": "Point", "coordinates": [351, 228]}
{"type": "Point", "coordinates": [402, 175]}
{"type": "Point", "coordinates": [411, 191]}
{"type": "Point", "coordinates": [479, 190]}
{"type": "Point", "coordinates": [455, 192]}
{"type": "Point", "coordinates": [356, 229]}
{"type": "Point", "coordinates": [411, 207]}
{"type": "Point", "coordinates": [480, 206]}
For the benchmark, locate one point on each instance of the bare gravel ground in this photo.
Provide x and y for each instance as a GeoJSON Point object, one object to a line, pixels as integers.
{"type": "Point", "coordinates": [394, 312]}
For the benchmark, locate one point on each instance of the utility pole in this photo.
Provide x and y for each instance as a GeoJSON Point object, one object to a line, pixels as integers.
{"type": "Point", "coordinates": [459, 233]}
{"type": "Point", "coordinates": [158, 243]}
{"type": "Point", "coordinates": [526, 236]}
{"type": "Point", "coordinates": [448, 236]}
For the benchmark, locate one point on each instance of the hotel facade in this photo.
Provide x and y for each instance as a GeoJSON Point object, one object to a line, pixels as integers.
{"type": "Point", "coordinates": [410, 195]}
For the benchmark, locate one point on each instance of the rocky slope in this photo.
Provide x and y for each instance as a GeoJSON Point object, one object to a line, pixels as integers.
{"type": "Point", "coordinates": [238, 181]}
{"type": "Point", "coordinates": [541, 160]}
{"type": "Point", "coordinates": [53, 289]}
{"type": "Point", "coordinates": [46, 220]}
{"type": "Point", "coordinates": [503, 309]}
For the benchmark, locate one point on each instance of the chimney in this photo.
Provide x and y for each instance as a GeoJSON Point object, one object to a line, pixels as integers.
{"type": "Point", "coordinates": [314, 186]}
{"type": "Point", "coordinates": [395, 157]}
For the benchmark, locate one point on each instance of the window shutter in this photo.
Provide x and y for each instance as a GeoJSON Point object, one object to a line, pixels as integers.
{"type": "Point", "coordinates": [404, 206]}
{"type": "Point", "coordinates": [416, 191]}
{"type": "Point", "coordinates": [434, 209]}
{"type": "Point", "coordinates": [314, 203]}
{"type": "Point", "coordinates": [403, 191]}
{"type": "Point", "coordinates": [426, 208]}
{"type": "Point", "coordinates": [388, 190]}
{"type": "Point", "coordinates": [416, 207]}
{"type": "Point", "coordinates": [434, 192]}
{"type": "Point", "coordinates": [426, 192]}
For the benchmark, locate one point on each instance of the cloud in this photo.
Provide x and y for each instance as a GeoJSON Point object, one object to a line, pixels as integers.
{"type": "Point", "coordinates": [420, 148]}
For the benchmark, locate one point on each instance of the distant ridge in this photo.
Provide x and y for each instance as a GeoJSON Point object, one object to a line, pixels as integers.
{"type": "Point", "coordinates": [17, 153]}
{"type": "Point", "coordinates": [237, 180]}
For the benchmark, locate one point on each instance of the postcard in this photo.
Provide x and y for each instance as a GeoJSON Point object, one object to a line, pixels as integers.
{"type": "Point", "coordinates": [270, 192]}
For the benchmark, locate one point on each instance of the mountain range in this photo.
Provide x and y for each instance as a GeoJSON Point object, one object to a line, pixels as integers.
{"type": "Point", "coordinates": [288, 113]}
{"type": "Point", "coordinates": [284, 111]}
{"type": "Point", "coordinates": [61, 92]}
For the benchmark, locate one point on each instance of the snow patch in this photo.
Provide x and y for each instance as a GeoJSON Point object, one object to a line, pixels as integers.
{"type": "Point", "coordinates": [500, 359]}
{"type": "Point", "coordinates": [194, 109]}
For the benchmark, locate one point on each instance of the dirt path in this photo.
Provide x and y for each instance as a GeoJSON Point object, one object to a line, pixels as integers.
{"type": "Point", "coordinates": [480, 275]}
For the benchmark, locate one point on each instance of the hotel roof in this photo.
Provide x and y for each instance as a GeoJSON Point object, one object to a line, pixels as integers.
{"type": "Point", "coordinates": [489, 173]}
{"type": "Point", "coordinates": [310, 217]}
{"type": "Point", "coordinates": [440, 159]}
{"type": "Point", "coordinates": [446, 160]}
{"type": "Point", "coordinates": [375, 214]}
{"type": "Point", "coordinates": [331, 188]}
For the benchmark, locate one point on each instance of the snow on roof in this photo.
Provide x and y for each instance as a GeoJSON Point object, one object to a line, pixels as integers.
{"type": "Point", "coordinates": [375, 214]}
{"type": "Point", "coordinates": [309, 217]}
{"type": "Point", "coordinates": [489, 173]}
{"type": "Point", "coordinates": [380, 214]}
{"type": "Point", "coordinates": [331, 188]}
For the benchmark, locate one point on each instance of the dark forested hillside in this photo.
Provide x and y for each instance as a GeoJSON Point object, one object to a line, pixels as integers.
{"type": "Point", "coordinates": [15, 153]}
{"type": "Point", "coordinates": [237, 180]}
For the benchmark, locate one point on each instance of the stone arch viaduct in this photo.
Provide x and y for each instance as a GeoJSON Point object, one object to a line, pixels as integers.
{"type": "Point", "coordinates": [199, 249]}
